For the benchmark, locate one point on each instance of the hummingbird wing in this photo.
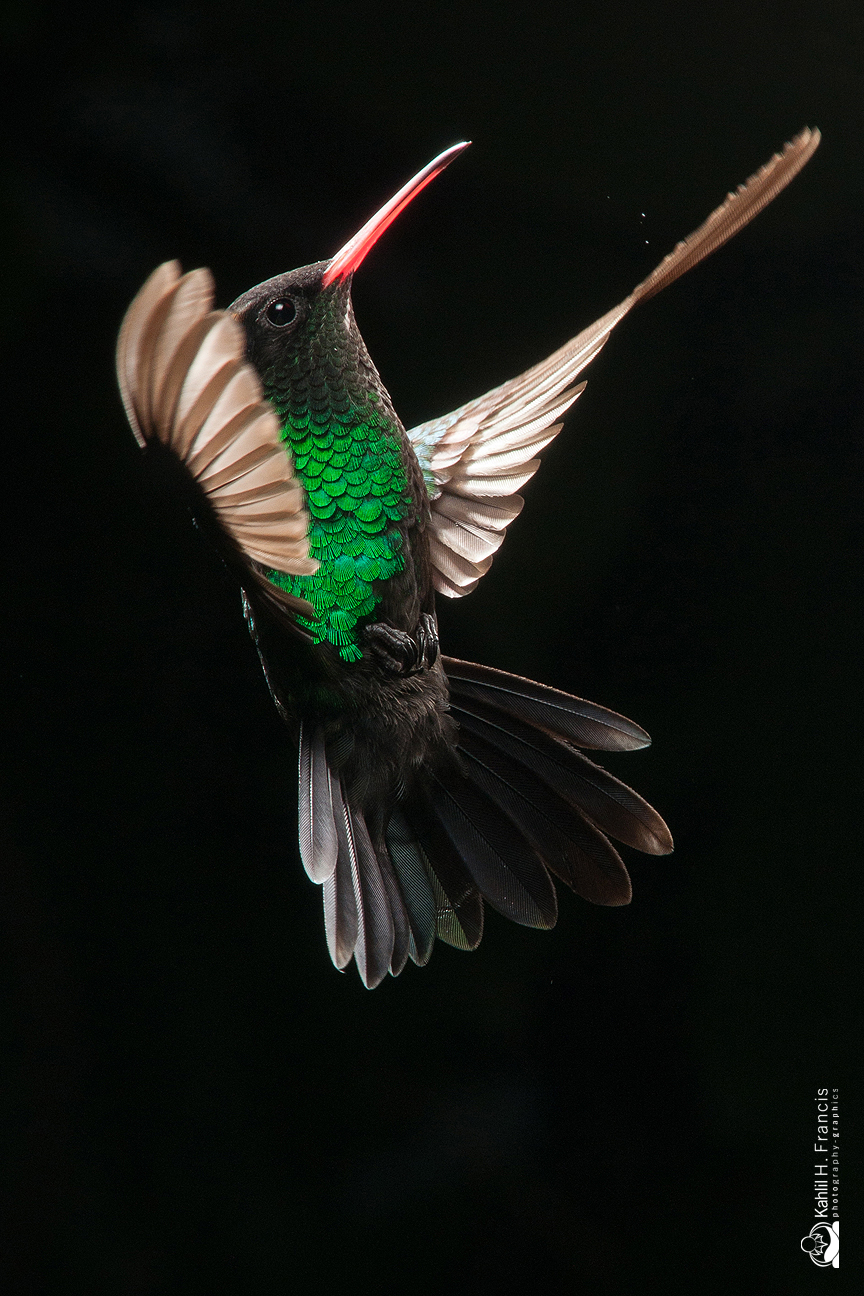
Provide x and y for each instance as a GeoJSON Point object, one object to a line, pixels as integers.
{"type": "Point", "coordinates": [186, 386]}
{"type": "Point", "coordinates": [476, 459]}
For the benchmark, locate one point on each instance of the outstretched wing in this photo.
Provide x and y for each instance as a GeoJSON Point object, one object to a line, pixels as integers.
{"type": "Point", "coordinates": [186, 385]}
{"type": "Point", "coordinates": [476, 459]}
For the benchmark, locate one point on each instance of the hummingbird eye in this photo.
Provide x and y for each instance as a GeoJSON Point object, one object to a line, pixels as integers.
{"type": "Point", "coordinates": [281, 312]}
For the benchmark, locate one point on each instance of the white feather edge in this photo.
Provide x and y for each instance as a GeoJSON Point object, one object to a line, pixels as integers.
{"type": "Point", "coordinates": [184, 381]}
{"type": "Point", "coordinates": [475, 453]}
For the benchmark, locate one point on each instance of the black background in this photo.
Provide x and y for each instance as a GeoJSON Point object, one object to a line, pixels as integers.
{"type": "Point", "coordinates": [198, 1101]}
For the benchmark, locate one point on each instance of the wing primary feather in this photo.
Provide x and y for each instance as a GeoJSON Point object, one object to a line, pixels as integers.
{"type": "Point", "coordinates": [492, 485]}
{"type": "Point", "coordinates": [129, 341]}
{"type": "Point", "coordinates": [447, 587]}
{"type": "Point", "coordinates": [461, 571]}
{"type": "Point", "coordinates": [273, 493]}
{"type": "Point", "coordinates": [494, 515]}
{"type": "Point", "coordinates": [465, 540]}
{"type": "Point", "coordinates": [185, 384]}
{"type": "Point", "coordinates": [147, 347]}
{"type": "Point", "coordinates": [190, 303]}
{"type": "Point", "coordinates": [190, 414]}
{"type": "Point", "coordinates": [733, 214]}
{"type": "Point", "coordinates": [481, 451]}
{"type": "Point", "coordinates": [242, 391]}
{"type": "Point", "coordinates": [226, 442]}
{"type": "Point", "coordinates": [167, 401]}
{"type": "Point", "coordinates": [284, 524]}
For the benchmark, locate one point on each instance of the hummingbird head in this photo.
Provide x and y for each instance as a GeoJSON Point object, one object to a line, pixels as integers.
{"type": "Point", "coordinates": [304, 319]}
{"type": "Point", "coordinates": [293, 320]}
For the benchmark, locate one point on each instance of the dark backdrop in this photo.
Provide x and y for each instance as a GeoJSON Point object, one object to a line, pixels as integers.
{"type": "Point", "coordinates": [198, 1101]}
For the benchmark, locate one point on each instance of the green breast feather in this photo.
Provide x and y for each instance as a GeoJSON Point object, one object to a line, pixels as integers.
{"type": "Point", "coordinates": [349, 461]}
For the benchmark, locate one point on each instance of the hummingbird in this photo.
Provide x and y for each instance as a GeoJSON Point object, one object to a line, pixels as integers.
{"type": "Point", "coordinates": [428, 787]}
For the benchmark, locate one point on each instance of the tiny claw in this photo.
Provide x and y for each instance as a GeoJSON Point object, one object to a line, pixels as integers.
{"type": "Point", "coordinates": [401, 653]}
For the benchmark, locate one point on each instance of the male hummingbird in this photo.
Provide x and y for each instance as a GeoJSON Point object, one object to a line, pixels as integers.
{"type": "Point", "coordinates": [427, 785]}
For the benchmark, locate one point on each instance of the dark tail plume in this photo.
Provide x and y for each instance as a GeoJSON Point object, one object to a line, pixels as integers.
{"type": "Point", "coordinates": [515, 803]}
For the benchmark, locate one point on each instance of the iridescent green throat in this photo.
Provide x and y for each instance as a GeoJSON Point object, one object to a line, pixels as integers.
{"type": "Point", "coordinates": [347, 454]}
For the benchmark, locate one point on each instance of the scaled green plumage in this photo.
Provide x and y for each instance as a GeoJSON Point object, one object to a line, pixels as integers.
{"type": "Point", "coordinates": [348, 457]}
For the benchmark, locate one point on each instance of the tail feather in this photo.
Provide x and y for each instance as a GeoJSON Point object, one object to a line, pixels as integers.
{"type": "Point", "coordinates": [340, 903]}
{"type": "Point", "coordinates": [583, 723]}
{"type": "Point", "coordinates": [318, 839]}
{"type": "Point", "coordinates": [458, 903]}
{"type": "Point", "coordinates": [401, 925]}
{"type": "Point", "coordinates": [599, 797]}
{"type": "Point", "coordinates": [375, 930]}
{"type": "Point", "coordinates": [575, 851]}
{"type": "Point", "coordinates": [504, 867]}
{"type": "Point", "coordinates": [412, 872]}
{"type": "Point", "coordinates": [513, 804]}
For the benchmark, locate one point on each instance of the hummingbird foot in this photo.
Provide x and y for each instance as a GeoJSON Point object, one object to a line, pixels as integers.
{"type": "Point", "coordinates": [402, 653]}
